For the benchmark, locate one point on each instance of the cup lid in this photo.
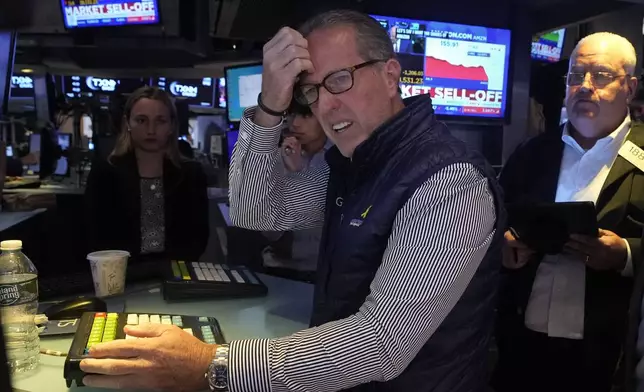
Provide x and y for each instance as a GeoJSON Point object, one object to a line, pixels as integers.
{"type": "Point", "coordinates": [107, 254]}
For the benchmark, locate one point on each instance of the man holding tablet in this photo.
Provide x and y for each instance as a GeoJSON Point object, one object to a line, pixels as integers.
{"type": "Point", "coordinates": [562, 316]}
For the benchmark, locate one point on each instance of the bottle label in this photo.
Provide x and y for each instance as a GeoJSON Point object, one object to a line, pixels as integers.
{"type": "Point", "coordinates": [19, 293]}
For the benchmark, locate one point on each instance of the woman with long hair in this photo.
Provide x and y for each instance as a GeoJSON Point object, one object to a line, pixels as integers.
{"type": "Point", "coordinates": [145, 198]}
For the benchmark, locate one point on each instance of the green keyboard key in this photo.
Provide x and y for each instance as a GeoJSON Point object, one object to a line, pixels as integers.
{"type": "Point", "coordinates": [175, 270]}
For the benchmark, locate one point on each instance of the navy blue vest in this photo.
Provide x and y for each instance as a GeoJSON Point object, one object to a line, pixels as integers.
{"type": "Point", "coordinates": [385, 171]}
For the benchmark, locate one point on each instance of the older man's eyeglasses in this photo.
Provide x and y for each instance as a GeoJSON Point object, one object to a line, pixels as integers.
{"type": "Point", "coordinates": [336, 83]}
{"type": "Point", "coordinates": [598, 79]}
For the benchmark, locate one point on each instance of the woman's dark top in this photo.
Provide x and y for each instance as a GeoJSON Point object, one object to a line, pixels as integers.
{"type": "Point", "coordinates": [116, 208]}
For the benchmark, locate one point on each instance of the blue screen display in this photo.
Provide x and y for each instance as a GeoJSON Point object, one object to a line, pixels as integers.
{"type": "Point", "coordinates": [243, 86]}
{"type": "Point", "coordinates": [231, 137]}
{"type": "Point", "coordinates": [464, 68]}
{"type": "Point", "coordinates": [100, 13]}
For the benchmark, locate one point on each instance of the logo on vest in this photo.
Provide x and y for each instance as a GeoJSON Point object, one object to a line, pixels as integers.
{"type": "Point", "coordinates": [339, 202]}
{"type": "Point", "coordinates": [359, 222]}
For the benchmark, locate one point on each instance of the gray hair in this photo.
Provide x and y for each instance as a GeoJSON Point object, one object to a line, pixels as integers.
{"type": "Point", "coordinates": [617, 41]}
{"type": "Point", "coordinates": [373, 41]}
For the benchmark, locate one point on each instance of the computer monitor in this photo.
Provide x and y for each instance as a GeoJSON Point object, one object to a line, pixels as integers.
{"type": "Point", "coordinates": [243, 85]}
{"type": "Point", "coordinates": [231, 138]}
{"type": "Point", "coordinates": [7, 52]}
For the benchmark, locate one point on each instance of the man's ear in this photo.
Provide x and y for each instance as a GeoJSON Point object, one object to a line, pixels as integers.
{"type": "Point", "coordinates": [632, 84]}
{"type": "Point", "coordinates": [392, 74]}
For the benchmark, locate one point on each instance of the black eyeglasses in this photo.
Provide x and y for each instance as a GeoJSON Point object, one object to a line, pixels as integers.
{"type": "Point", "coordinates": [336, 83]}
{"type": "Point", "coordinates": [598, 79]}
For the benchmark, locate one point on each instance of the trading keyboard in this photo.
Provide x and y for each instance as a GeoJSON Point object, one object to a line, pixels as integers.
{"type": "Point", "coordinates": [81, 282]}
{"type": "Point", "coordinates": [97, 328]}
{"type": "Point", "coordinates": [193, 280]}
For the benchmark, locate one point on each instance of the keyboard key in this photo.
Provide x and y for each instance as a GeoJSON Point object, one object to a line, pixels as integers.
{"type": "Point", "coordinates": [144, 319]}
{"type": "Point", "coordinates": [250, 276]}
{"type": "Point", "coordinates": [132, 319]}
{"type": "Point", "coordinates": [185, 275]}
{"type": "Point", "coordinates": [203, 319]}
{"type": "Point", "coordinates": [208, 275]}
{"type": "Point", "coordinates": [175, 270]}
{"type": "Point", "coordinates": [195, 265]}
{"type": "Point", "coordinates": [203, 265]}
{"type": "Point", "coordinates": [178, 321]}
{"type": "Point", "coordinates": [216, 275]}
{"type": "Point", "coordinates": [200, 274]}
{"type": "Point", "coordinates": [112, 316]}
{"type": "Point", "coordinates": [100, 315]}
{"type": "Point", "coordinates": [155, 319]}
{"type": "Point", "coordinates": [189, 330]}
{"type": "Point", "coordinates": [237, 276]}
{"type": "Point", "coordinates": [166, 320]}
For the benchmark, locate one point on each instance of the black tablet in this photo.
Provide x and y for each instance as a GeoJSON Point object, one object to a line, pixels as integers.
{"type": "Point", "coordinates": [546, 227]}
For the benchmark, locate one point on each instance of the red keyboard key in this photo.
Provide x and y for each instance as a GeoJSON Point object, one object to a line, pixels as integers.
{"type": "Point", "coordinates": [103, 315]}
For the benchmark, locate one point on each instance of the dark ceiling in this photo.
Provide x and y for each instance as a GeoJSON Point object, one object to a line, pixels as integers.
{"type": "Point", "coordinates": [206, 31]}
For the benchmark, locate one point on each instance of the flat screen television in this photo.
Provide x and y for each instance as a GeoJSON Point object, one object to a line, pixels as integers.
{"type": "Point", "coordinates": [22, 86]}
{"type": "Point", "coordinates": [220, 94]}
{"type": "Point", "coordinates": [197, 92]}
{"type": "Point", "coordinates": [464, 68]}
{"type": "Point", "coordinates": [74, 86]}
{"type": "Point", "coordinates": [103, 13]}
{"type": "Point", "coordinates": [243, 85]}
{"type": "Point", "coordinates": [547, 47]}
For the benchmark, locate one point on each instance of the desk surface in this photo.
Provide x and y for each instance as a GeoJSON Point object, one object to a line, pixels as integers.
{"type": "Point", "coordinates": [9, 219]}
{"type": "Point", "coordinates": [285, 310]}
{"type": "Point", "coordinates": [46, 189]}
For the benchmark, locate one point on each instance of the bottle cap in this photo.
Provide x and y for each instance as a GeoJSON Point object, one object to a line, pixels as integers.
{"type": "Point", "coordinates": [11, 245]}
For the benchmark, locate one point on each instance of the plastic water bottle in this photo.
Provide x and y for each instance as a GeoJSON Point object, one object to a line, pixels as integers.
{"type": "Point", "coordinates": [19, 305]}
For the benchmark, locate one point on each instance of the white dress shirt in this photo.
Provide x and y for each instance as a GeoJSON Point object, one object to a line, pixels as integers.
{"type": "Point", "coordinates": [556, 305]}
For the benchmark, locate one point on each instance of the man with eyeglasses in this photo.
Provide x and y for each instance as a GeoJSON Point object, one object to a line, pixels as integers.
{"type": "Point", "coordinates": [562, 317]}
{"type": "Point", "coordinates": [413, 226]}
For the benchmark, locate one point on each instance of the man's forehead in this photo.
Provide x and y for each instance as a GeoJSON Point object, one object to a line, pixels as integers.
{"type": "Point", "coordinates": [331, 49]}
{"type": "Point", "coordinates": [597, 53]}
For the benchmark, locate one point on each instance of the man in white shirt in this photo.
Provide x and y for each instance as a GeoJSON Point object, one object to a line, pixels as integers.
{"type": "Point", "coordinates": [562, 317]}
{"type": "Point", "coordinates": [294, 253]}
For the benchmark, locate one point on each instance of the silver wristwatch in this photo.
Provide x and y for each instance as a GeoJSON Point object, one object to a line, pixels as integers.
{"type": "Point", "coordinates": [217, 375]}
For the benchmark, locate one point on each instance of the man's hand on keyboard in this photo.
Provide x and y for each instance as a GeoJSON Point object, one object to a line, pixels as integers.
{"type": "Point", "coordinates": [162, 357]}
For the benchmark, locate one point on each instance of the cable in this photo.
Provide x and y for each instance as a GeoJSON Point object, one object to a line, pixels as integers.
{"type": "Point", "coordinates": [53, 353]}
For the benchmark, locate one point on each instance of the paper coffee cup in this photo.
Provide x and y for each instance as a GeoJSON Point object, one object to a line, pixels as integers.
{"type": "Point", "coordinates": [108, 271]}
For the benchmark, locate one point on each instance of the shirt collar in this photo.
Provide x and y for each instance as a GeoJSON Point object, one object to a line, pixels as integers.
{"type": "Point", "coordinates": [612, 141]}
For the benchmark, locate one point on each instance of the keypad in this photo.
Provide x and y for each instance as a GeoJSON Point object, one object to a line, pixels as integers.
{"type": "Point", "coordinates": [208, 335]}
{"type": "Point", "coordinates": [105, 325]}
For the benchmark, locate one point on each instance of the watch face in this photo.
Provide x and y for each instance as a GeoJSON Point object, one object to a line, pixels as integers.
{"type": "Point", "coordinates": [218, 377]}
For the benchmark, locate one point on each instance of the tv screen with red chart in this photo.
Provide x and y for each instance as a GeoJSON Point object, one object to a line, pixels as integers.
{"type": "Point", "coordinates": [101, 13]}
{"type": "Point", "coordinates": [464, 68]}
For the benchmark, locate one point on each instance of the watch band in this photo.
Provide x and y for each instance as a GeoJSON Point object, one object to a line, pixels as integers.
{"type": "Point", "coordinates": [268, 110]}
{"type": "Point", "coordinates": [217, 375]}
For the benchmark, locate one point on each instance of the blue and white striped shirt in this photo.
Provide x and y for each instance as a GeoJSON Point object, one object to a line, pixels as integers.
{"type": "Point", "coordinates": [438, 240]}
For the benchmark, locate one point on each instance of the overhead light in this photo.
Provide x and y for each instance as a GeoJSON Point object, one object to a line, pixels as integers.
{"type": "Point", "coordinates": [27, 70]}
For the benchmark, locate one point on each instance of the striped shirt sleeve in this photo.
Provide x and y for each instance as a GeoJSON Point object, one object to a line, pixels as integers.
{"type": "Point", "coordinates": [262, 195]}
{"type": "Point", "coordinates": [438, 240]}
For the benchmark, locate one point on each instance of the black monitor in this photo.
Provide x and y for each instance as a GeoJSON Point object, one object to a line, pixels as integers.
{"type": "Point", "coordinates": [7, 52]}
